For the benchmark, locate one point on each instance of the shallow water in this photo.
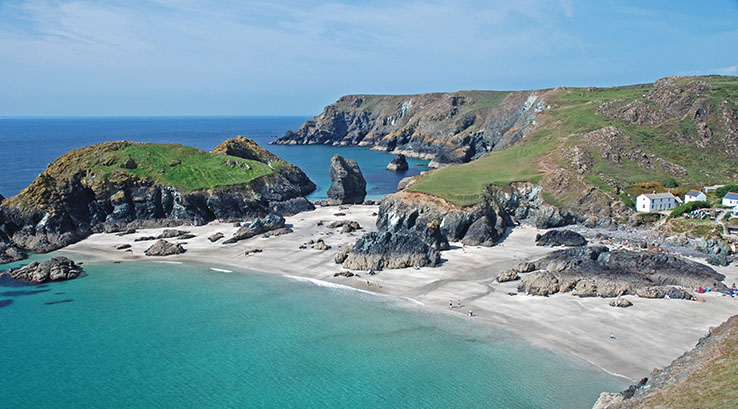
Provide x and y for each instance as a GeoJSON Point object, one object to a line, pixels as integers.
{"type": "Point", "coordinates": [164, 335]}
{"type": "Point", "coordinates": [29, 144]}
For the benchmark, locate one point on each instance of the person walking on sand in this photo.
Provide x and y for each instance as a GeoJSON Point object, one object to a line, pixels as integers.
{"type": "Point", "coordinates": [450, 303]}
{"type": "Point", "coordinates": [458, 303]}
{"type": "Point", "coordinates": [471, 313]}
{"type": "Point", "coordinates": [463, 247]}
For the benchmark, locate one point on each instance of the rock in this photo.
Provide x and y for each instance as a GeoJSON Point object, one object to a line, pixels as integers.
{"type": "Point", "coordinates": [524, 267]}
{"type": "Point", "coordinates": [145, 238]}
{"type": "Point", "coordinates": [405, 182]}
{"type": "Point", "coordinates": [164, 248]}
{"type": "Point", "coordinates": [129, 164]}
{"type": "Point", "coordinates": [348, 185]}
{"type": "Point", "coordinates": [597, 271]}
{"type": "Point", "coordinates": [252, 251]}
{"type": "Point", "coordinates": [622, 303]}
{"type": "Point", "coordinates": [169, 234]}
{"type": "Point", "coordinates": [607, 399]}
{"type": "Point", "coordinates": [126, 232]}
{"type": "Point", "coordinates": [398, 164]}
{"type": "Point", "coordinates": [720, 259]}
{"type": "Point", "coordinates": [55, 269]}
{"type": "Point", "coordinates": [186, 236]}
{"type": "Point", "coordinates": [346, 274]}
{"type": "Point", "coordinates": [257, 226]}
{"type": "Point", "coordinates": [215, 237]}
{"type": "Point", "coordinates": [348, 226]}
{"type": "Point", "coordinates": [507, 275]}
{"type": "Point", "coordinates": [389, 250]}
{"type": "Point", "coordinates": [320, 245]}
{"type": "Point", "coordinates": [123, 247]}
{"type": "Point", "coordinates": [343, 254]}
{"type": "Point", "coordinates": [561, 238]}
{"type": "Point", "coordinates": [10, 253]}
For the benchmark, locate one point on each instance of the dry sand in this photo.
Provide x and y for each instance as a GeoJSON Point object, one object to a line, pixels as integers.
{"type": "Point", "coordinates": [647, 335]}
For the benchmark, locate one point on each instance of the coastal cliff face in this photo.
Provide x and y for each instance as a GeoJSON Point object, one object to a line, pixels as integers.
{"type": "Point", "coordinates": [111, 184]}
{"type": "Point", "coordinates": [704, 377]}
{"type": "Point", "coordinates": [450, 127]}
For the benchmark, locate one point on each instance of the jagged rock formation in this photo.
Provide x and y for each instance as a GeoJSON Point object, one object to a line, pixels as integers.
{"type": "Point", "coordinates": [257, 226]}
{"type": "Point", "coordinates": [561, 238]}
{"type": "Point", "coordinates": [389, 250]}
{"type": "Point", "coordinates": [447, 127]}
{"type": "Point", "coordinates": [597, 271]}
{"type": "Point", "coordinates": [55, 269]}
{"type": "Point", "coordinates": [348, 185]}
{"type": "Point", "coordinates": [398, 164]}
{"type": "Point", "coordinates": [97, 189]}
{"type": "Point", "coordinates": [164, 248]}
{"type": "Point", "coordinates": [703, 377]}
{"type": "Point", "coordinates": [478, 225]}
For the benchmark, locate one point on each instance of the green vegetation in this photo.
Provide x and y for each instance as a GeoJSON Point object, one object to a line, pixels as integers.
{"type": "Point", "coordinates": [639, 162]}
{"type": "Point", "coordinates": [694, 227]}
{"type": "Point", "coordinates": [688, 207]}
{"type": "Point", "coordinates": [464, 184]}
{"type": "Point", "coordinates": [722, 191]}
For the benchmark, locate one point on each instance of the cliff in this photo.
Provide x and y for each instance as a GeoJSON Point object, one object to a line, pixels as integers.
{"type": "Point", "coordinates": [451, 127]}
{"type": "Point", "coordinates": [107, 185]}
{"type": "Point", "coordinates": [704, 377]}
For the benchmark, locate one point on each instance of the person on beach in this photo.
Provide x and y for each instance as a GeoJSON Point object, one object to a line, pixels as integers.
{"type": "Point", "coordinates": [458, 303]}
{"type": "Point", "coordinates": [463, 247]}
{"type": "Point", "coordinates": [450, 303]}
{"type": "Point", "coordinates": [471, 313]}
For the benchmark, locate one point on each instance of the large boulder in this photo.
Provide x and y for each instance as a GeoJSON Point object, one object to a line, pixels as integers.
{"type": "Point", "coordinates": [164, 248]}
{"type": "Point", "coordinates": [10, 253]}
{"type": "Point", "coordinates": [55, 269]}
{"type": "Point", "coordinates": [388, 250]}
{"type": "Point", "coordinates": [257, 226]}
{"type": "Point", "coordinates": [348, 185]}
{"type": "Point", "coordinates": [561, 238]}
{"type": "Point", "coordinates": [398, 164]}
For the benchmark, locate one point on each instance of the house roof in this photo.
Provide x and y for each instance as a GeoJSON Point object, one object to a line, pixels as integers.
{"type": "Point", "coordinates": [666, 195]}
{"type": "Point", "coordinates": [693, 193]}
{"type": "Point", "coordinates": [731, 196]}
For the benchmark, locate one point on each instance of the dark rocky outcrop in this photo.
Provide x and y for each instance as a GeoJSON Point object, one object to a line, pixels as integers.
{"type": "Point", "coordinates": [69, 201]}
{"type": "Point", "coordinates": [398, 164]}
{"type": "Point", "coordinates": [164, 248]}
{"type": "Point", "coordinates": [55, 269]}
{"type": "Point", "coordinates": [348, 185]}
{"type": "Point", "coordinates": [561, 238]}
{"type": "Point", "coordinates": [257, 226]}
{"type": "Point", "coordinates": [215, 237]}
{"type": "Point", "coordinates": [341, 256]}
{"type": "Point", "coordinates": [347, 226]}
{"type": "Point", "coordinates": [477, 225]}
{"type": "Point", "coordinates": [123, 247]}
{"type": "Point", "coordinates": [10, 253]}
{"type": "Point", "coordinates": [597, 271]}
{"type": "Point", "coordinates": [389, 250]}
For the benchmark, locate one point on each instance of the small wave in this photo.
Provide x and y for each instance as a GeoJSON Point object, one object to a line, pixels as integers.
{"type": "Point", "coordinates": [168, 262]}
{"type": "Point", "coordinates": [220, 270]}
{"type": "Point", "coordinates": [413, 300]}
{"type": "Point", "coordinates": [321, 283]}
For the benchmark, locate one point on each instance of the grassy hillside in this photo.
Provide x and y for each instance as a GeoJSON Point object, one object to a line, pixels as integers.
{"type": "Point", "coordinates": [182, 167]}
{"type": "Point", "coordinates": [612, 140]}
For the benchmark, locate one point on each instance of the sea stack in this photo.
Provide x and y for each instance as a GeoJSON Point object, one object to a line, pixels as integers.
{"type": "Point", "coordinates": [348, 185]}
{"type": "Point", "coordinates": [398, 164]}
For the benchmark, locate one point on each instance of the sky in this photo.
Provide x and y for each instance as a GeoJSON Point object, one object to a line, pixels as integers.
{"type": "Point", "coordinates": [195, 57]}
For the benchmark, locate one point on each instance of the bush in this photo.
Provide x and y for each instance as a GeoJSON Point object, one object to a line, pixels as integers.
{"type": "Point", "coordinates": [688, 207]}
{"type": "Point", "coordinates": [722, 191]}
{"type": "Point", "coordinates": [669, 182]}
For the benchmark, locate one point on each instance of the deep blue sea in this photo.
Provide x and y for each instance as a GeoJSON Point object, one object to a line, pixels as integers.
{"type": "Point", "coordinates": [27, 145]}
{"type": "Point", "coordinates": [153, 335]}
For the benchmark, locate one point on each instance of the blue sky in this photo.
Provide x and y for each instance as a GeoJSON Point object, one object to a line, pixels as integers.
{"type": "Point", "coordinates": [193, 57]}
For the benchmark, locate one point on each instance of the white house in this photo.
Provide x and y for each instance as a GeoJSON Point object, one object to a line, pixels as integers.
{"type": "Point", "coordinates": [694, 195]}
{"type": "Point", "coordinates": [654, 202]}
{"type": "Point", "coordinates": [730, 199]}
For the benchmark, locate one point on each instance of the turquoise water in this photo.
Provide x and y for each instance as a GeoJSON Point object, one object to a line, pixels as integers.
{"type": "Point", "coordinates": [178, 336]}
{"type": "Point", "coordinates": [29, 144]}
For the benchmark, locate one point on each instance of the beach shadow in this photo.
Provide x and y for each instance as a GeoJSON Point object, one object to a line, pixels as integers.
{"type": "Point", "coordinates": [5, 303]}
{"type": "Point", "coordinates": [59, 302]}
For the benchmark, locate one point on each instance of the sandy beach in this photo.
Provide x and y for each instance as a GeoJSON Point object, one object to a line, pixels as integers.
{"type": "Point", "coordinates": [626, 341]}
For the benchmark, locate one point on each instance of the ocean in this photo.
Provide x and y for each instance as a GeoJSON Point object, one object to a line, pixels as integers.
{"type": "Point", "coordinates": [157, 335]}
{"type": "Point", "coordinates": [29, 144]}
{"type": "Point", "coordinates": [162, 335]}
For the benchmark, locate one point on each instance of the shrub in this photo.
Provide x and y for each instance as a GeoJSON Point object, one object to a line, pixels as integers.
{"type": "Point", "coordinates": [722, 191]}
{"type": "Point", "coordinates": [669, 182]}
{"type": "Point", "coordinates": [688, 207]}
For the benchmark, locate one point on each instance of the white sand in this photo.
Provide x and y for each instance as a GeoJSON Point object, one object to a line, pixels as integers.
{"type": "Point", "coordinates": [649, 334]}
